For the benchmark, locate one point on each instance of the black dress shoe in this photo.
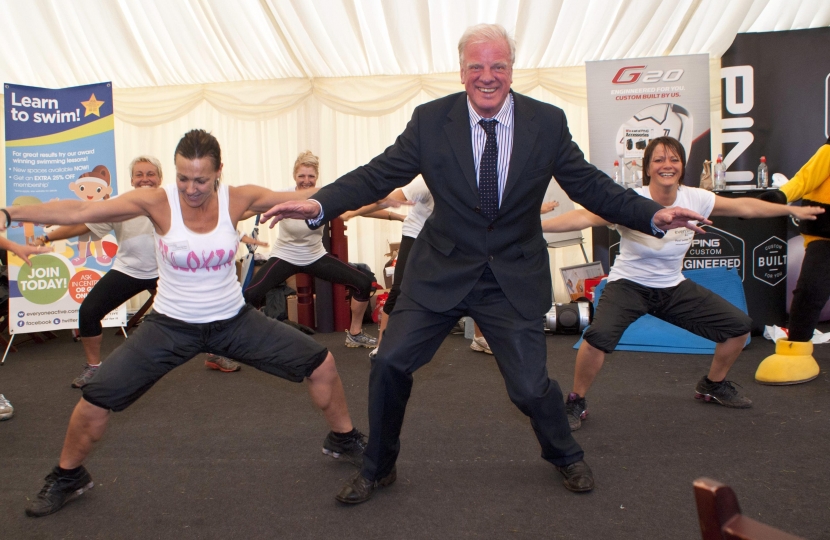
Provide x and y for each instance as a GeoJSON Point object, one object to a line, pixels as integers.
{"type": "Point", "coordinates": [578, 476]}
{"type": "Point", "coordinates": [359, 489]}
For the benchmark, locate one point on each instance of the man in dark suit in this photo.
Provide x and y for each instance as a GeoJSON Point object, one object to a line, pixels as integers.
{"type": "Point", "coordinates": [481, 252]}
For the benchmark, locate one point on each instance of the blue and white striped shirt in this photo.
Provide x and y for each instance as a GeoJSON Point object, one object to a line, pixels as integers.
{"type": "Point", "coordinates": [504, 139]}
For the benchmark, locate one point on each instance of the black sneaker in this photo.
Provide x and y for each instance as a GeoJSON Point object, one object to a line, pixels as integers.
{"type": "Point", "coordinates": [576, 409]}
{"type": "Point", "coordinates": [722, 393]}
{"type": "Point", "coordinates": [348, 447]}
{"type": "Point", "coordinates": [58, 490]}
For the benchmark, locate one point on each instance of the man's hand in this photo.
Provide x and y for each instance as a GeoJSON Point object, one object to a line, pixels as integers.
{"type": "Point", "coordinates": [308, 209]}
{"type": "Point", "coordinates": [675, 217]}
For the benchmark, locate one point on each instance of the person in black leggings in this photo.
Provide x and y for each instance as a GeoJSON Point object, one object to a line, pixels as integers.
{"type": "Point", "coordinates": [299, 249]}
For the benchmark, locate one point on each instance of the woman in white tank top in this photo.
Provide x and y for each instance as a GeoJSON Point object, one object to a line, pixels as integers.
{"type": "Point", "coordinates": [198, 308]}
{"type": "Point", "coordinates": [299, 249]}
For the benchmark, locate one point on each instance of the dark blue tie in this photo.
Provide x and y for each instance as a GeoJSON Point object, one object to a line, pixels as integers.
{"type": "Point", "coordinates": [488, 172]}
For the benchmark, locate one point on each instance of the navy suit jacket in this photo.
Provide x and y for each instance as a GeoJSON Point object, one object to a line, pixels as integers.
{"type": "Point", "coordinates": [458, 241]}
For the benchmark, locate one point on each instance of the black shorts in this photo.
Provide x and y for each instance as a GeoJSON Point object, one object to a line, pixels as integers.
{"type": "Point", "coordinates": [687, 305]}
{"type": "Point", "coordinates": [162, 343]}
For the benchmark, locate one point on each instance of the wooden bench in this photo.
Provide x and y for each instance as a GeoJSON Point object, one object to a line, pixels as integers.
{"type": "Point", "coordinates": [720, 515]}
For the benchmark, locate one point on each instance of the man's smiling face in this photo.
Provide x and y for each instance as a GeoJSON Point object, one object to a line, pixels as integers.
{"type": "Point", "coordinates": [487, 74]}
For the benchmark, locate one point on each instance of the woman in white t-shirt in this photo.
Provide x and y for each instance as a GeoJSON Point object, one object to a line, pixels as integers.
{"type": "Point", "coordinates": [415, 193]}
{"type": "Point", "coordinates": [646, 278]}
{"type": "Point", "coordinates": [299, 249]}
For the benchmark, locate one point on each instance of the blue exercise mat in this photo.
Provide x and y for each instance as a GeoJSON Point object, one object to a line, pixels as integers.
{"type": "Point", "coordinates": [650, 334]}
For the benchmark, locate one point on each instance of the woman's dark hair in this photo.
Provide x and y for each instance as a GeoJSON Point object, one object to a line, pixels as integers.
{"type": "Point", "coordinates": [672, 146]}
{"type": "Point", "coordinates": [198, 143]}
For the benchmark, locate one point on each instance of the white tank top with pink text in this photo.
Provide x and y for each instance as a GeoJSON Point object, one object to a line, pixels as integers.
{"type": "Point", "coordinates": [197, 272]}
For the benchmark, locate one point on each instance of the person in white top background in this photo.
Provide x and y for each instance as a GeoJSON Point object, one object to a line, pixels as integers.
{"type": "Point", "coordinates": [417, 194]}
{"type": "Point", "coordinates": [299, 249]}
{"type": "Point", "coordinates": [646, 278]}
{"type": "Point", "coordinates": [198, 308]}
{"type": "Point", "coordinates": [134, 269]}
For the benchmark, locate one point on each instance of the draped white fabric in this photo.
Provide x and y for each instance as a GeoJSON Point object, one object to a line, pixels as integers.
{"type": "Point", "coordinates": [341, 77]}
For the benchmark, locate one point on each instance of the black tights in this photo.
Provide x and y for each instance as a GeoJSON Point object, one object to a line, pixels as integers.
{"type": "Point", "coordinates": [811, 292]}
{"type": "Point", "coordinates": [327, 267]}
{"type": "Point", "coordinates": [111, 291]}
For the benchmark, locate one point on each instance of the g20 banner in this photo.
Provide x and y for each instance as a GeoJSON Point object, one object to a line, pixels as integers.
{"type": "Point", "coordinates": [59, 145]}
{"type": "Point", "coordinates": [635, 100]}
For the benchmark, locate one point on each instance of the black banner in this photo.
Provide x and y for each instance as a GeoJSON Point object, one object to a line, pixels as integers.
{"type": "Point", "coordinates": [774, 101]}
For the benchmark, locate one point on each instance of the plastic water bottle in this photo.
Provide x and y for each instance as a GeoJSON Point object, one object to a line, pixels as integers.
{"type": "Point", "coordinates": [763, 174]}
{"type": "Point", "coordinates": [719, 174]}
{"type": "Point", "coordinates": [618, 179]}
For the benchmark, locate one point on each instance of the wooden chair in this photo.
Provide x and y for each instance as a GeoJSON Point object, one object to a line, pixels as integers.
{"type": "Point", "coordinates": [720, 515]}
{"type": "Point", "coordinates": [136, 319]}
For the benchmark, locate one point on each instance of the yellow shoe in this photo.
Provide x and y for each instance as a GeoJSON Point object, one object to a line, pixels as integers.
{"type": "Point", "coordinates": [792, 363]}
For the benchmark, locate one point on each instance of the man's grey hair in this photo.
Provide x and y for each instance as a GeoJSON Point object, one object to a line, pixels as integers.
{"type": "Point", "coordinates": [146, 159]}
{"type": "Point", "coordinates": [486, 33]}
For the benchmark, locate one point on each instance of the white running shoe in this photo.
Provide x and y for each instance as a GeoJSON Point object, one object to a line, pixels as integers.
{"type": "Point", "coordinates": [6, 409]}
{"type": "Point", "coordinates": [361, 340]}
{"type": "Point", "coordinates": [479, 344]}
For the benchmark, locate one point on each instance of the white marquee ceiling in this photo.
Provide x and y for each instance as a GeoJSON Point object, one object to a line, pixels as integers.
{"type": "Point", "coordinates": [341, 77]}
{"type": "Point", "coordinates": [150, 43]}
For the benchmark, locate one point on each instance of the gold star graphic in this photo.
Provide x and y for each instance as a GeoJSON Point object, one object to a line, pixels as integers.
{"type": "Point", "coordinates": [92, 106]}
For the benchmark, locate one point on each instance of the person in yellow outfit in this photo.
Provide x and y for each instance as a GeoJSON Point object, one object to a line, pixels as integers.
{"type": "Point", "coordinates": [793, 362]}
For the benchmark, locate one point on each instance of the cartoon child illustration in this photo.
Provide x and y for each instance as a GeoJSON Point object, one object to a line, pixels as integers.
{"type": "Point", "coordinates": [94, 185]}
{"type": "Point", "coordinates": [61, 247]}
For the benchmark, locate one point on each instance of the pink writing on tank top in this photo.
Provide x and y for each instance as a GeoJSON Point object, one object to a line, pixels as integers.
{"type": "Point", "coordinates": [190, 260]}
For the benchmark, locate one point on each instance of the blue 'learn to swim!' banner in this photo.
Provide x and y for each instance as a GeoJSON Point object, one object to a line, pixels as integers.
{"type": "Point", "coordinates": [59, 145]}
